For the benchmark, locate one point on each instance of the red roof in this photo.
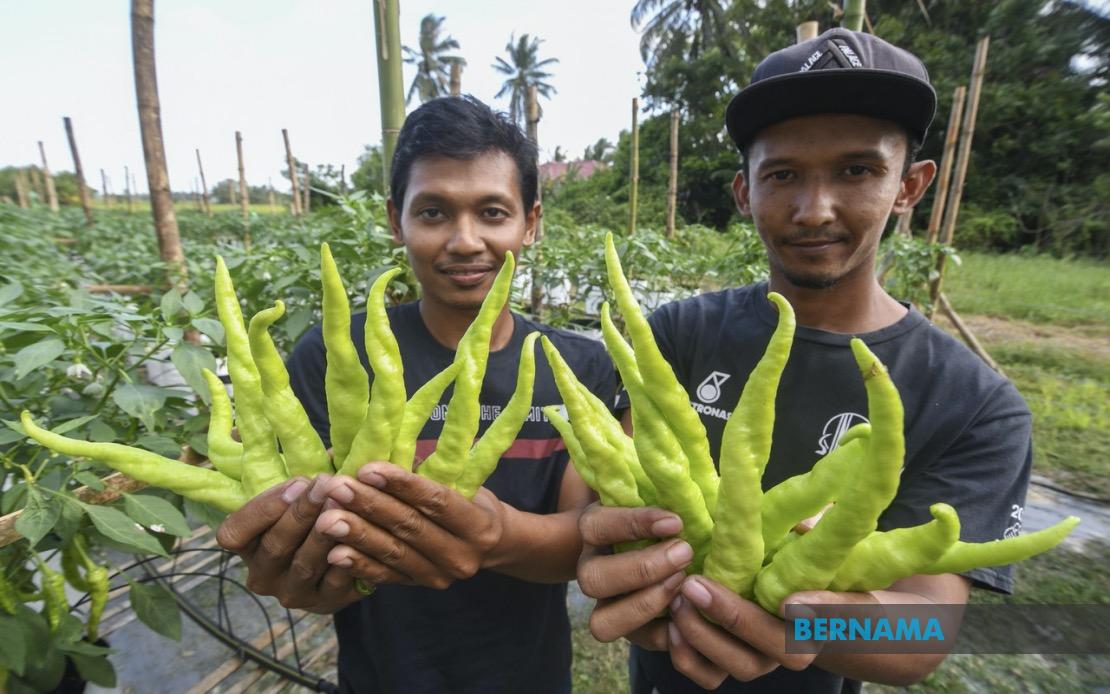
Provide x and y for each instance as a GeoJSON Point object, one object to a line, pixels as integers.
{"type": "Point", "coordinates": [582, 168]}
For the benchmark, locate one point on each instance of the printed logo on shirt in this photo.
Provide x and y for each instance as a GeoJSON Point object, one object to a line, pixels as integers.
{"type": "Point", "coordinates": [1014, 529]}
{"type": "Point", "coordinates": [835, 428]}
{"type": "Point", "coordinates": [709, 390]}
{"type": "Point", "coordinates": [488, 413]}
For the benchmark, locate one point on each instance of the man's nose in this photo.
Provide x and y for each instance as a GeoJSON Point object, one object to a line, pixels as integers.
{"type": "Point", "coordinates": [814, 205]}
{"type": "Point", "coordinates": [465, 237]}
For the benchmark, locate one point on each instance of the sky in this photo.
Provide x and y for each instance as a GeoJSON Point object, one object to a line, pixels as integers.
{"type": "Point", "coordinates": [260, 66]}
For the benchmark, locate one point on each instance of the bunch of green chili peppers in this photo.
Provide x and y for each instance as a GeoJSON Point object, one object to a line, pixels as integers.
{"type": "Point", "coordinates": [742, 536]}
{"type": "Point", "coordinates": [368, 422]}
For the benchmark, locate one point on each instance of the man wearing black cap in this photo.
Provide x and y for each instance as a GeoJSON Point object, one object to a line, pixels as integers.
{"type": "Point", "coordinates": [828, 130]}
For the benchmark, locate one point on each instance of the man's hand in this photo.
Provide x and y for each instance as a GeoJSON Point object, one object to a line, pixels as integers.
{"type": "Point", "coordinates": [285, 557]}
{"type": "Point", "coordinates": [395, 526]}
{"type": "Point", "coordinates": [632, 588]}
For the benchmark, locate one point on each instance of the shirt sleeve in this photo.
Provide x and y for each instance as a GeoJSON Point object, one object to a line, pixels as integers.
{"type": "Point", "coordinates": [984, 475]}
{"type": "Point", "coordinates": [306, 366]}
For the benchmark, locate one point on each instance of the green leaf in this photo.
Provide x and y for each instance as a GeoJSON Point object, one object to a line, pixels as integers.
{"type": "Point", "coordinates": [117, 526]}
{"type": "Point", "coordinates": [171, 305]}
{"type": "Point", "coordinates": [156, 513]}
{"type": "Point", "coordinates": [210, 327]}
{"type": "Point", "coordinates": [190, 360]}
{"type": "Point", "coordinates": [297, 322]}
{"type": "Point", "coordinates": [192, 303]}
{"type": "Point", "coordinates": [204, 513]}
{"type": "Point", "coordinates": [19, 326]}
{"type": "Point", "coordinates": [95, 668]}
{"type": "Point", "coordinates": [13, 644]}
{"type": "Point", "coordinates": [140, 401]}
{"type": "Point", "coordinates": [10, 292]}
{"type": "Point", "coordinates": [162, 445]}
{"type": "Point", "coordinates": [90, 480]}
{"type": "Point", "coordinates": [72, 424]}
{"type": "Point", "coordinates": [70, 521]}
{"type": "Point", "coordinates": [38, 518]}
{"type": "Point", "coordinates": [37, 355]}
{"type": "Point", "coordinates": [99, 431]}
{"type": "Point", "coordinates": [173, 334]}
{"type": "Point", "coordinates": [156, 608]}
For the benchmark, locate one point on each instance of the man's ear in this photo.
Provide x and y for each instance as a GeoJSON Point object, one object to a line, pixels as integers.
{"type": "Point", "coordinates": [530, 223]}
{"type": "Point", "coordinates": [394, 222]}
{"type": "Point", "coordinates": [741, 193]}
{"type": "Point", "coordinates": [913, 185]}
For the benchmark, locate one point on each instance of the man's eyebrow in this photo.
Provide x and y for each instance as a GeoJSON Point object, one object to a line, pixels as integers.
{"type": "Point", "coordinates": [775, 162]}
{"type": "Point", "coordinates": [864, 154]}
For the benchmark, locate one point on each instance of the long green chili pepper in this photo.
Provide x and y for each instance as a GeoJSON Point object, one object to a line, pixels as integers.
{"type": "Point", "coordinates": [346, 385]}
{"type": "Point", "coordinates": [578, 457]}
{"type": "Point", "coordinates": [199, 484]}
{"type": "Point", "coordinates": [224, 451]}
{"type": "Point", "coordinates": [463, 412]}
{"type": "Point", "coordinates": [745, 449]}
{"type": "Point", "coordinates": [9, 597]}
{"type": "Point", "coordinates": [417, 411]}
{"type": "Point", "coordinates": [964, 556]}
{"type": "Point", "coordinates": [374, 439]}
{"type": "Point", "coordinates": [615, 483]}
{"type": "Point", "coordinates": [882, 558]}
{"type": "Point", "coordinates": [263, 466]}
{"type": "Point", "coordinates": [502, 432]}
{"type": "Point", "coordinates": [668, 395]}
{"type": "Point", "coordinates": [622, 443]}
{"type": "Point", "coordinates": [71, 570]}
{"type": "Point", "coordinates": [804, 495]}
{"type": "Point", "coordinates": [99, 587]}
{"type": "Point", "coordinates": [812, 562]}
{"type": "Point", "coordinates": [55, 603]}
{"type": "Point", "coordinates": [660, 454]}
{"type": "Point", "coordinates": [303, 450]}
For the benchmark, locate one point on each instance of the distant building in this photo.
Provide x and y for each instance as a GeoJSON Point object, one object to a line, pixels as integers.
{"type": "Point", "coordinates": [582, 168]}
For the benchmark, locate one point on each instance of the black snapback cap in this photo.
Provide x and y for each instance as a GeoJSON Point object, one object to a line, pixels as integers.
{"type": "Point", "coordinates": [840, 71]}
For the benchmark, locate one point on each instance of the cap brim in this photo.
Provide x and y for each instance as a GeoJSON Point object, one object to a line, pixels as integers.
{"type": "Point", "coordinates": [876, 93]}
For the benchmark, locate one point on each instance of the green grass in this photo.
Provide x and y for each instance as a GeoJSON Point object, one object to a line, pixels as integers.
{"type": "Point", "coordinates": [1032, 288]}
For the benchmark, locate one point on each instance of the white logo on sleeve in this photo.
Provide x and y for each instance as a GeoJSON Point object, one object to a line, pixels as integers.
{"type": "Point", "coordinates": [835, 428]}
{"type": "Point", "coordinates": [1014, 529]}
{"type": "Point", "coordinates": [709, 390]}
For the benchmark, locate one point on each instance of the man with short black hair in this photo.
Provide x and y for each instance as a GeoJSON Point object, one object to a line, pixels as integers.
{"type": "Point", "coordinates": [828, 130]}
{"type": "Point", "coordinates": [461, 595]}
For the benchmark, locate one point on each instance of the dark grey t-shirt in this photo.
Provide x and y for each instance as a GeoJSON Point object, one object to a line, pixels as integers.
{"type": "Point", "coordinates": [968, 440]}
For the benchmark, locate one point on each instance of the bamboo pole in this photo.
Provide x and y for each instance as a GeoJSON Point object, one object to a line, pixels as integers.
{"type": "Point", "coordinates": [455, 85]}
{"type": "Point", "coordinates": [387, 36]}
{"type": "Point", "coordinates": [343, 179]}
{"type": "Point", "coordinates": [127, 189]}
{"type": "Point", "coordinates": [967, 133]}
{"type": "Point", "coordinates": [532, 120]}
{"type": "Point", "coordinates": [853, 15]}
{"type": "Point", "coordinates": [966, 333]}
{"type": "Point", "coordinates": [672, 182]}
{"type": "Point", "coordinates": [634, 178]}
{"type": "Point", "coordinates": [290, 162]}
{"type": "Point", "coordinates": [82, 187]}
{"type": "Point", "coordinates": [154, 151]}
{"type": "Point", "coordinates": [51, 190]}
{"type": "Point", "coordinates": [244, 197]}
{"type": "Point", "coordinates": [951, 136]}
{"type": "Point", "coordinates": [21, 189]}
{"type": "Point", "coordinates": [207, 208]}
{"type": "Point", "coordinates": [104, 189]}
{"type": "Point", "coordinates": [806, 31]}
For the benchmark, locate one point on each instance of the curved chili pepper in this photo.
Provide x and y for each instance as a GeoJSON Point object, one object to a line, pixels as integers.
{"type": "Point", "coordinates": [964, 556]}
{"type": "Point", "coordinates": [55, 604]}
{"type": "Point", "coordinates": [417, 411]}
{"type": "Point", "coordinates": [99, 587]}
{"type": "Point", "coordinates": [224, 451]}
{"type": "Point", "coordinates": [346, 386]}
{"type": "Point", "coordinates": [578, 457]}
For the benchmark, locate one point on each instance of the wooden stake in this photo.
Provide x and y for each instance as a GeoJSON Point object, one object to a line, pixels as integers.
{"type": "Point", "coordinates": [244, 193]}
{"type": "Point", "coordinates": [634, 177]}
{"type": "Point", "coordinates": [455, 85]}
{"type": "Point", "coordinates": [532, 120]}
{"type": "Point", "coordinates": [966, 333]}
{"type": "Point", "coordinates": [959, 96]}
{"type": "Point", "coordinates": [127, 189]}
{"type": "Point", "coordinates": [82, 187]}
{"type": "Point", "coordinates": [289, 161]}
{"type": "Point", "coordinates": [104, 189]}
{"type": "Point", "coordinates": [806, 31]}
{"type": "Point", "coordinates": [21, 189]}
{"type": "Point", "coordinates": [672, 183]}
{"type": "Point", "coordinates": [343, 179]}
{"type": "Point", "coordinates": [51, 191]}
{"type": "Point", "coordinates": [853, 15]}
{"type": "Point", "coordinates": [967, 132]}
{"type": "Point", "coordinates": [203, 187]}
{"type": "Point", "coordinates": [154, 151]}
{"type": "Point", "coordinates": [387, 36]}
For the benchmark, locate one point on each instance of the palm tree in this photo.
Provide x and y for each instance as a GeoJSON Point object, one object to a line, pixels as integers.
{"type": "Point", "coordinates": [678, 27]}
{"type": "Point", "coordinates": [433, 68]}
{"type": "Point", "coordinates": [523, 69]}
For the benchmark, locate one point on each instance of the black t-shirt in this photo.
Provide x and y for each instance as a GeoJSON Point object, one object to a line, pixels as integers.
{"type": "Point", "coordinates": [967, 429]}
{"type": "Point", "coordinates": [492, 632]}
